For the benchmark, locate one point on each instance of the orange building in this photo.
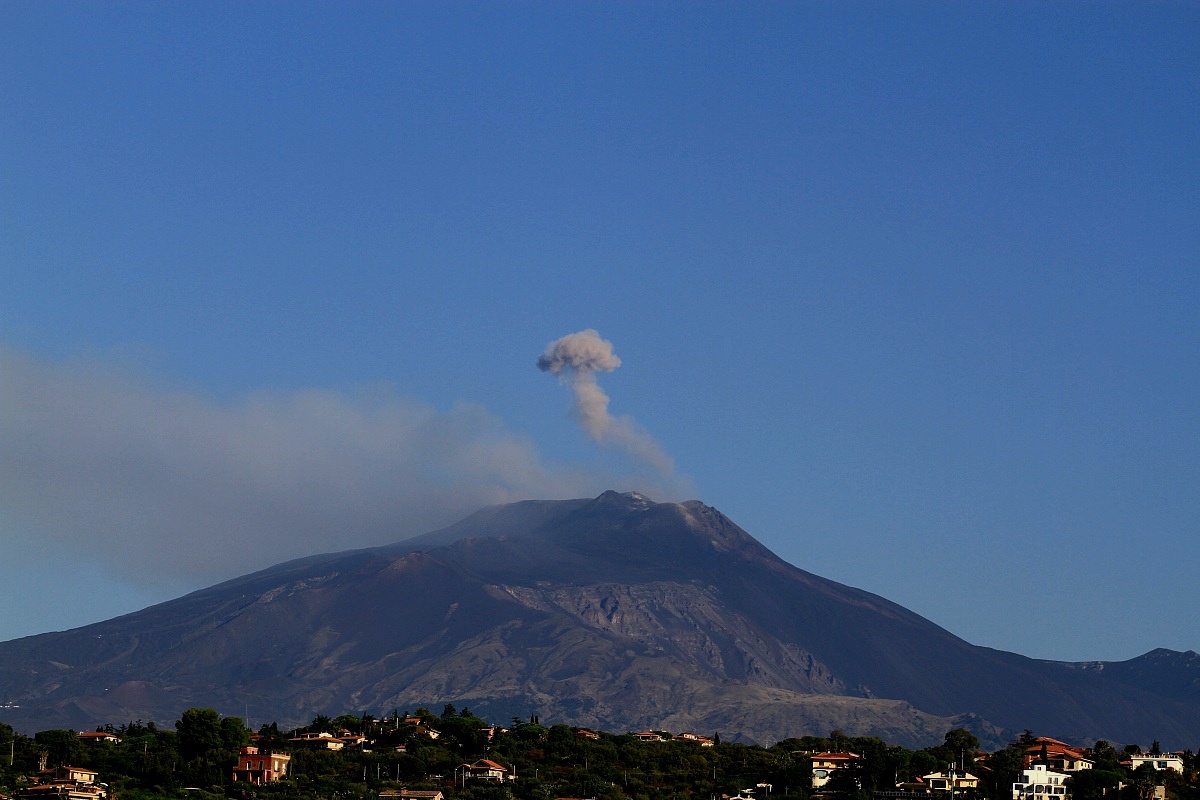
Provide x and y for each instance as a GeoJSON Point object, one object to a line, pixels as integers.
{"type": "Point", "coordinates": [256, 767]}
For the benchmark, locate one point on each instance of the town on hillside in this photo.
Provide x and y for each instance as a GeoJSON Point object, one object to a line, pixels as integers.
{"type": "Point", "coordinates": [455, 755]}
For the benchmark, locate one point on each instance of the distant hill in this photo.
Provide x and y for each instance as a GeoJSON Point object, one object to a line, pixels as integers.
{"type": "Point", "coordinates": [616, 613]}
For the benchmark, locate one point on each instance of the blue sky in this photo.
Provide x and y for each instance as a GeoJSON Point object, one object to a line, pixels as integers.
{"type": "Point", "coordinates": [909, 291]}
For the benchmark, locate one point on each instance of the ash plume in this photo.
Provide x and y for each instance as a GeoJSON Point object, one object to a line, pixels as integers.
{"type": "Point", "coordinates": [575, 359]}
{"type": "Point", "coordinates": [166, 487]}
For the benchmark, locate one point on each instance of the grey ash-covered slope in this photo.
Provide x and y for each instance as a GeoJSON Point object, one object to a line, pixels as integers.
{"type": "Point", "coordinates": [616, 612]}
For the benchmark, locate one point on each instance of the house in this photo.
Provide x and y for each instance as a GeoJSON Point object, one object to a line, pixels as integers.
{"type": "Point", "coordinates": [951, 780]}
{"type": "Point", "coordinates": [66, 783]}
{"type": "Point", "coordinates": [760, 791]}
{"type": "Point", "coordinates": [703, 741]}
{"type": "Point", "coordinates": [825, 764]}
{"type": "Point", "coordinates": [916, 789]}
{"type": "Point", "coordinates": [98, 736]}
{"type": "Point", "coordinates": [833, 760]}
{"type": "Point", "coordinates": [648, 736]}
{"type": "Point", "coordinates": [62, 790]}
{"type": "Point", "coordinates": [485, 770]}
{"type": "Point", "coordinates": [352, 739]}
{"type": "Point", "coordinates": [1160, 761]}
{"type": "Point", "coordinates": [255, 767]}
{"type": "Point", "coordinates": [71, 774]}
{"type": "Point", "coordinates": [1057, 756]}
{"type": "Point", "coordinates": [411, 794]}
{"type": "Point", "coordinates": [318, 741]}
{"type": "Point", "coordinates": [585, 733]}
{"type": "Point", "coordinates": [1039, 783]}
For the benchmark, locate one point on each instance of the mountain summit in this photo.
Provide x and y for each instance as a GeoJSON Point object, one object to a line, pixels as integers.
{"type": "Point", "coordinates": [615, 612]}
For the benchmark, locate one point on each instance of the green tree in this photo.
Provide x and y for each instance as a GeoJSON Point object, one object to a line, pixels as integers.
{"type": "Point", "coordinates": [876, 769]}
{"type": "Point", "coordinates": [270, 737]}
{"type": "Point", "coordinates": [8, 738]}
{"type": "Point", "coordinates": [923, 762]}
{"type": "Point", "coordinates": [958, 748]}
{"type": "Point", "coordinates": [199, 732]}
{"type": "Point", "coordinates": [321, 724]}
{"type": "Point", "coordinates": [1145, 778]}
{"type": "Point", "coordinates": [1105, 756]}
{"type": "Point", "coordinates": [61, 747]}
{"type": "Point", "coordinates": [1089, 784]}
{"type": "Point", "coordinates": [350, 722]}
{"type": "Point", "coordinates": [234, 733]}
{"type": "Point", "coordinates": [1004, 768]}
{"type": "Point", "coordinates": [845, 783]}
{"type": "Point", "coordinates": [529, 731]}
{"type": "Point", "coordinates": [463, 733]}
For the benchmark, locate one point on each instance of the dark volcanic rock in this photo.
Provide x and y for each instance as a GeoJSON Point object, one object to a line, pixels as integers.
{"type": "Point", "coordinates": [617, 612]}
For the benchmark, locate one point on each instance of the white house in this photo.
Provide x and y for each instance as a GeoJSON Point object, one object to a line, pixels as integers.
{"type": "Point", "coordinates": [825, 764]}
{"type": "Point", "coordinates": [485, 770]}
{"type": "Point", "coordinates": [1039, 783]}
{"type": "Point", "coordinates": [1160, 762]}
{"type": "Point", "coordinates": [952, 780]}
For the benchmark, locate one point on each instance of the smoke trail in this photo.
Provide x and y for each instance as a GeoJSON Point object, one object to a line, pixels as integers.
{"type": "Point", "coordinates": [575, 359]}
{"type": "Point", "coordinates": [168, 486]}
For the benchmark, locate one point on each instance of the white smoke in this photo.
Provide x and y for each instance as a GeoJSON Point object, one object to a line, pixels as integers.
{"type": "Point", "coordinates": [175, 489]}
{"type": "Point", "coordinates": [575, 359]}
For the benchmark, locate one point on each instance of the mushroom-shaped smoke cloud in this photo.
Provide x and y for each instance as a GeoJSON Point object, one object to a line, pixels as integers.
{"type": "Point", "coordinates": [575, 359]}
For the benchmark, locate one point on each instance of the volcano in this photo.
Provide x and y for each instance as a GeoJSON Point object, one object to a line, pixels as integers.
{"type": "Point", "coordinates": [615, 612]}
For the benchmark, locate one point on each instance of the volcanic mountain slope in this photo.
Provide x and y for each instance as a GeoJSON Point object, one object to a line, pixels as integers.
{"type": "Point", "coordinates": [617, 613]}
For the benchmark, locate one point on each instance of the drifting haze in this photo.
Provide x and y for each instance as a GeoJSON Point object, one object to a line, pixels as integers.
{"type": "Point", "coordinates": [575, 359]}
{"type": "Point", "coordinates": [175, 488]}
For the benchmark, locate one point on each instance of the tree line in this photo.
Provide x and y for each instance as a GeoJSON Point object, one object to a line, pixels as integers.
{"type": "Point", "coordinates": [195, 759]}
